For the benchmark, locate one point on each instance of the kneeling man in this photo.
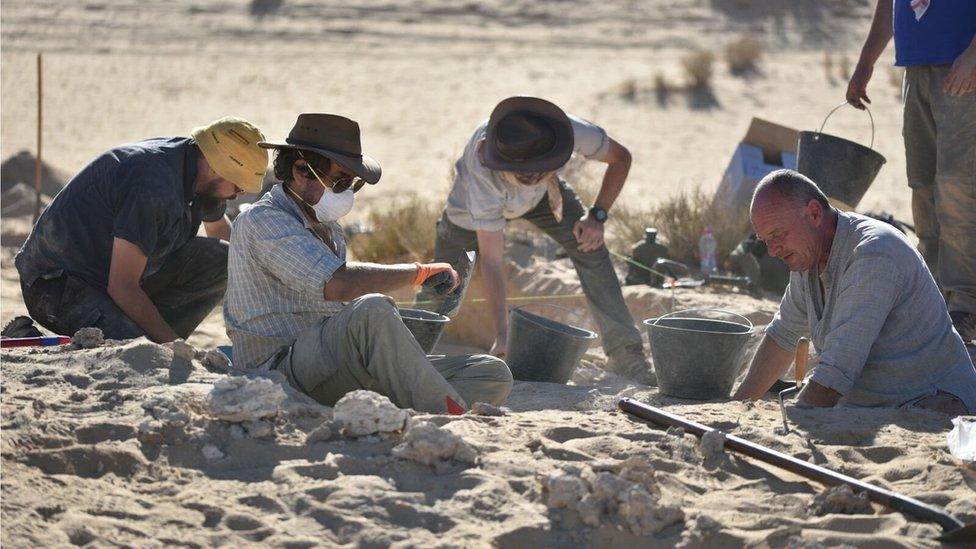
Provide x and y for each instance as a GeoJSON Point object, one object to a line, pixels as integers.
{"type": "Point", "coordinates": [296, 305]}
{"type": "Point", "coordinates": [863, 295]}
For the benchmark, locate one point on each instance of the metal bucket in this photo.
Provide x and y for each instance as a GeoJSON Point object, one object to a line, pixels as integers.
{"type": "Point", "coordinates": [425, 326]}
{"type": "Point", "coordinates": [695, 356]}
{"type": "Point", "coordinates": [844, 170]}
{"type": "Point", "coordinates": [542, 349]}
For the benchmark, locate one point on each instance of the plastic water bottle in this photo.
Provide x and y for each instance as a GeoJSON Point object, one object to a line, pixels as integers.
{"type": "Point", "coordinates": [707, 246]}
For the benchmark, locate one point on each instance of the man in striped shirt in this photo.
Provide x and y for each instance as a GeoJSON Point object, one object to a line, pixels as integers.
{"type": "Point", "coordinates": [295, 304]}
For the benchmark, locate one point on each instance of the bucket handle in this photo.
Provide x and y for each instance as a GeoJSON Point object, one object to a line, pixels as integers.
{"type": "Point", "coordinates": [871, 146]}
{"type": "Point", "coordinates": [723, 311]}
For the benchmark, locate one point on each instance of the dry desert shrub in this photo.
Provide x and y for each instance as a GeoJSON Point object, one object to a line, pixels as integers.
{"type": "Point", "coordinates": [681, 219]}
{"type": "Point", "coordinates": [742, 54]}
{"type": "Point", "coordinates": [698, 68]}
{"type": "Point", "coordinates": [404, 231]}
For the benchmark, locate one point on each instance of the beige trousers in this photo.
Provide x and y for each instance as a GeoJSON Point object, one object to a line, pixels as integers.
{"type": "Point", "coordinates": [367, 346]}
{"type": "Point", "coordinates": [940, 150]}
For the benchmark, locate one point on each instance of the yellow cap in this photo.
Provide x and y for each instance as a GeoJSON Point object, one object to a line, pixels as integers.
{"type": "Point", "coordinates": [230, 146]}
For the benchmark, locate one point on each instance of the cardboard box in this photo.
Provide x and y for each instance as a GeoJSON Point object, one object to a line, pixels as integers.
{"type": "Point", "coordinates": [766, 147]}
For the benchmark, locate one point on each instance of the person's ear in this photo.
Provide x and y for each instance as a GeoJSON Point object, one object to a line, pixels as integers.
{"type": "Point", "coordinates": [815, 211]}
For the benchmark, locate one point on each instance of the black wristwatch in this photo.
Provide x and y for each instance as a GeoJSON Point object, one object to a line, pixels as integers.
{"type": "Point", "coordinates": [598, 214]}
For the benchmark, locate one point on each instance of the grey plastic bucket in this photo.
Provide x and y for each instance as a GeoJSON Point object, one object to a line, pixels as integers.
{"type": "Point", "coordinates": [697, 357]}
{"type": "Point", "coordinates": [426, 326]}
{"type": "Point", "coordinates": [542, 349]}
{"type": "Point", "coordinates": [844, 170]}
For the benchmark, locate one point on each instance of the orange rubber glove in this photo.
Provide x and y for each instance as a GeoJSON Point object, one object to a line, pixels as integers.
{"type": "Point", "coordinates": [427, 270]}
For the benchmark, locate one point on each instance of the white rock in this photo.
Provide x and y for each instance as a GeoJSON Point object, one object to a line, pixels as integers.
{"type": "Point", "coordinates": [241, 399]}
{"type": "Point", "coordinates": [429, 444]}
{"type": "Point", "coordinates": [215, 361]}
{"type": "Point", "coordinates": [362, 413]}
{"type": "Point", "coordinates": [565, 490]}
{"type": "Point", "coordinates": [321, 433]}
{"type": "Point", "coordinates": [591, 510]}
{"type": "Point", "coordinates": [88, 338]}
{"type": "Point", "coordinates": [181, 349]}
{"type": "Point", "coordinates": [712, 445]}
{"type": "Point", "coordinates": [644, 514]}
{"type": "Point", "coordinates": [607, 486]}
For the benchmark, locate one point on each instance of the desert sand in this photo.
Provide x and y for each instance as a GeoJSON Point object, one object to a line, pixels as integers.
{"type": "Point", "coordinates": [137, 444]}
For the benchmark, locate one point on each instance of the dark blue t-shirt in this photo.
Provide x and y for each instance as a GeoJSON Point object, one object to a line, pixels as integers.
{"type": "Point", "coordinates": [140, 191]}
{"type": "Point", "coordinates": [946, 29]}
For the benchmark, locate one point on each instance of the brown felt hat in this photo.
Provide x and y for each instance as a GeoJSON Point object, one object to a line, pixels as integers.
{"type": "Point", "coordinates": [334, 137]}
{"type": "Point", "coordinates": [528, 134]}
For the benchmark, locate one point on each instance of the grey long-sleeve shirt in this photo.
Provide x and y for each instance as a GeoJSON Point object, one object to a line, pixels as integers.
{"type": "Point", "coordinates": [880, 326]}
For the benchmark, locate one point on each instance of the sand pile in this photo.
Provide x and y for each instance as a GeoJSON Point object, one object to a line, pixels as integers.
{"type": "Point", "coordinates": [140, 444]}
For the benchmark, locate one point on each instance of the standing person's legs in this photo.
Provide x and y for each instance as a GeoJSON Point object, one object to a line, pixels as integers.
{"type": "Point", "coordinates": [66, 304]}
{"type": "Point", "coordinates": [450, 243]}
{"type": "Point", "coordinates": [190, 283]}
{"type": "Point", "coordinates": [955, 194]}
{"type": "Point", "coordinates": [366, 346]}
{"type": "Point", "coordinates": [595, 271]}
{"type": "Point", "coordinates": [920, 156]}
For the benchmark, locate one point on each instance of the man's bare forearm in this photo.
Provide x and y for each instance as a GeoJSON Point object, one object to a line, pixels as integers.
{"type": "Point", "coordinates": [618, 167]}
{"type": "Point", "coordinates": [356, 279]}
{"type": "Point", "coordinates": [769, 364]}
{"type": "Point", "coordinates": [494, 277]}
{"type": "Point", "coordinates": [140, 309]}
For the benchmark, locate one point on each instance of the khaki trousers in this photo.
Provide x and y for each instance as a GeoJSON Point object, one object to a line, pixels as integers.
{"type": "Point", "coordinates": [940, 150]}
{"type": "Point", "coordinates": [367, 346]}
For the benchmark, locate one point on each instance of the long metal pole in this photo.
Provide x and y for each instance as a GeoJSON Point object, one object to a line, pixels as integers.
{"type": "Point", "coordinates": [37, 159]}
{"type": "Point", "coordinates": [822, 475]}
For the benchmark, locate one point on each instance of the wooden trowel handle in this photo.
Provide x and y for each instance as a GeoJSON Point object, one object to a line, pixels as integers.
{"type": "Point", "coordinates": [800, 360]}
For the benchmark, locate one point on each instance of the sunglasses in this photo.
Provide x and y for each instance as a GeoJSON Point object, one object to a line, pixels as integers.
{"type": "Point", "coordinates": [339, 185]}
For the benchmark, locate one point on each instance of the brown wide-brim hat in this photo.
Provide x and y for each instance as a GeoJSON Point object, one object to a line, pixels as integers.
{"type": "Point", "coordinates": [334, 137]}
{"type": "Point", "coordinates": [527, 134]}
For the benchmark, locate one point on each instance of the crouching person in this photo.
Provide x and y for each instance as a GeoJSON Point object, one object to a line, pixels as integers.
{"type": "Point", "coordinates": [294, 304]}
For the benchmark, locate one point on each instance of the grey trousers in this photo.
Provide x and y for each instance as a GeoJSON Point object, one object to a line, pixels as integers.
{"type": "Point", "coordinates": [367, 346]}
{"type": "Point", "coordinates": [940, 149]}
{"type": "Point", "coordinates": [595, 270]}
{"type": "Point", "coordinates": [185, 289]}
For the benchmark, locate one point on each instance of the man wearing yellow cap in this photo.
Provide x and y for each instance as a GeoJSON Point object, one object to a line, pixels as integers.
{"type": "Point", "coordinates": [117, 248]}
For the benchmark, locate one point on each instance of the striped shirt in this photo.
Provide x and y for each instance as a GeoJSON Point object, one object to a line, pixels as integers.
{"type": "Point", "coordinates": [276, 275]}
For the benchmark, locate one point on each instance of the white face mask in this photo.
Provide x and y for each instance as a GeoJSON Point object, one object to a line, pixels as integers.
{"type": "Point", "coordinates": [333, 206]}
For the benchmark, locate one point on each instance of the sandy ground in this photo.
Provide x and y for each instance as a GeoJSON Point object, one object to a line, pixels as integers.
{"type": "Point", "coordinates": [128, 443]}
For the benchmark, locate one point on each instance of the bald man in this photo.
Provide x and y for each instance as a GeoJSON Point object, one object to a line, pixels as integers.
{"type": "Point", "coordinates": [863, 295]}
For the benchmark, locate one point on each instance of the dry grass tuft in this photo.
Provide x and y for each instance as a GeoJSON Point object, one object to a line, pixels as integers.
{"type": "Point", "coordinates": [681, 219]}
{"type": "Point", "coordinates": [698, 68]}
{"type": "Point", "coordinates": [629, 90]}
{"type": "Point", "coordinates": [743, 54]}
{"type": "Point", "coordinates": [401, 232]}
